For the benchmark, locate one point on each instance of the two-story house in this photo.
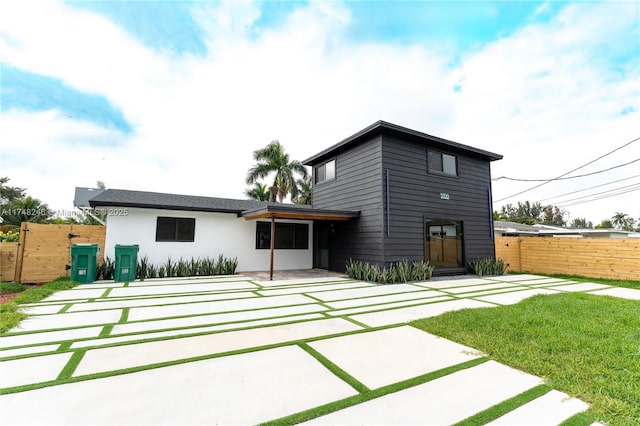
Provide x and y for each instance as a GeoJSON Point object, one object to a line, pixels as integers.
{"type": "Point", "coordinates": [381, 195]}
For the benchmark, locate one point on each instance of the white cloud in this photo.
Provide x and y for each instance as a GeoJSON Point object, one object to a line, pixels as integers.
{"type": "Point", "coordinates": [540, 97]}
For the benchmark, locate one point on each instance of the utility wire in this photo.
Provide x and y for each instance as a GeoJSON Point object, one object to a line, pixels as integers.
{"type": "Point", "coordinates": [600, 198]}
{"type": "Point", "coordinates": [569, 172]}
{"type": "Point", "coordinates": [568, 177]}
{"type": "Point", "coordinates": [633, 185]}
{"type": "Point", "coordinates": [586, 189]}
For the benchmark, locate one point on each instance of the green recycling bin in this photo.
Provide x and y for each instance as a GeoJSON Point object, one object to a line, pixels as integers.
{"type": "Point", "coordinates": [84, 262]}
{"type": "Point", "coordinates": [126, 263]}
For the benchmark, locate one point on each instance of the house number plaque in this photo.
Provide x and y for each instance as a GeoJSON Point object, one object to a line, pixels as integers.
{"type": "Point", "coordinates": [444, 195]}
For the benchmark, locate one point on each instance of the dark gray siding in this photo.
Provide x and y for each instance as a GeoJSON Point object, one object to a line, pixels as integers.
{"type": "Point", "coordinates": [357, 186]}
{"type": "Point", "coordinates": [415, 194]}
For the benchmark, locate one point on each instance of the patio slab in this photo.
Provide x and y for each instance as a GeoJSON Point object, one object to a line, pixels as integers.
{"type": "Point", "coordinates": [383, 357]}
{"type": "Point", "coordinates": [131, 303]}
{"type": "Point", "coordinates": [153, 312]}
{"type": "Point", "coordinates": [74, 319]}
{"type": "Point", "coordinates": [551, 408]}
{"type": "Point", "coordinates": [241, 389]}
{"type": "Point", "coordinates": [185, 332]}
{"type": "Point", "coordinates": [515, 297]}
{"type": "Point", "coordinates": [38, 369]}
{"type": "Point", "coordinates": [47, 336]}
{"type": "Point", "coordinates": [374, 290]}
{"type": "Point", "coordinates": [477, 288]}
{"type": "Point", "coordinates": [311, 289]}
{"type": "Point", "coordinates": [140, 354]}
{"type": "Point", "coordinates": [403, 315]}
{"type": "Point", "coordinates": [580, 287]}
{"type": "Point", "coordinates": [624, 293]}
{"type": "Point", "coordinates": [384, 299]}
{"type": "Point", "coordinates": [195, 321]}
{"type": "Point", "coordinates": [446, 400]}
{"type": "Point", "coordinates": [152, 290]}
{"type": "Point", "coordinates": [385, 306]}
{"type": "Point", "coordinates": [455, 283]}
{"type": "Point", "coordinates": [76, 293]}
{"type": "Point", "coordinates": [43, 309]}
{"type": "Point", "coordinates": [27, 351]}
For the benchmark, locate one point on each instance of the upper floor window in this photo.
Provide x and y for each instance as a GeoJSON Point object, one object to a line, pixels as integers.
{"type": "Point", "coordinates": [438, 162]}
{"type": "Point", "coordinates": [180, 229]}
{"type": "Point", "coordinates": [326, 171]}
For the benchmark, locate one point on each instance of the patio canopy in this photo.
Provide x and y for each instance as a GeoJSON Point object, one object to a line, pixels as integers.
{"type": "Point", "coordinates": [294, 211]}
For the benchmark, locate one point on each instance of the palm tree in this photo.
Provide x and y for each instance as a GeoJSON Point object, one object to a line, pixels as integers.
{"type": "Point", "coordinates": [272, 158]}
{"type": "Point", "coordinates": [304, 191]}
{"type": "Point", "coordinates": [620, 220]}
{"type": "Point", "coordinates": [258, 192]}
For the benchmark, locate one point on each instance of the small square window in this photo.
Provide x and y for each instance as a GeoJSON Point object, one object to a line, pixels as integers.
{"type": "Point", "coordinates": [440, 163]}
{"type": "Point", "coordinates": [326, 171]}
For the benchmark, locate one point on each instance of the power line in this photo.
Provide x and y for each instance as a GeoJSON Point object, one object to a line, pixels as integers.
{"type": "Point", "coordinates": [601, 198]}
{"type": "Point", "coordinates": [569, 172]}
{"type": "Point", "coordinates": [586, 189]}
{"type": "Point", "coordinates": [569, 177]}
{"type": "Point", "coordinates": [633, 185]}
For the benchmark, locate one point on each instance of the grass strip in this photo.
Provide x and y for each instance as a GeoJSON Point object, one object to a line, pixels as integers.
{"type": "Point", "coordinates": [65, 308]}
{"type": "Point", "coordinates": [584, 345]}
{"type": "Point", "coordinates": [71, 365]}
{"type": "Point", "coordinates": [6, 287]}
{"type": "Point", "coordinates": [106, 292]}
{"type": "Point", "coordinates": [124, 316]}
{"type": "Point", "coordinates": [372, 394]}
{"type": "Point", "coordinates": [502, 408]}
{"type": "Point", "coordinates": [582, 419]}
{"type": "Point", "coordinates": [106, 331]}
{"type": "Point", "coordinates": [351, 320]}
{"type": "Point", "coordinates": [335, 369]}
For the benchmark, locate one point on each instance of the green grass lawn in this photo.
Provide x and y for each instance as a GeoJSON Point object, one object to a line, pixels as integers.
{"type": "Point", "coordinates": [585, 345]}
{"type": "Point", "coordinates": [10, 316]}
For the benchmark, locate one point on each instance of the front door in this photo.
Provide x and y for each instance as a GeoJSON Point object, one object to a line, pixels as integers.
{"type": "Point", "coordinates": [321, 245]}
{"type": "Point", "coordinates": [444, 243]}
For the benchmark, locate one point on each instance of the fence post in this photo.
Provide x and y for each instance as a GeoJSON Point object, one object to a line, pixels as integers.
{"type": "Point", "coordinates": [17, 276]}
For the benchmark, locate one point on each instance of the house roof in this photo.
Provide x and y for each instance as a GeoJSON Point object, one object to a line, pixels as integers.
{"type": "Point", "coordinates": [249, 209]}
{"type": "Point", "coordinates": [157, 200]}
{"type": "Point", "coordinates": [514, 227]}
{"type": "Point", "coordinates": [381, 127]}
{"type": "Point", "coordinates": [83, 195]}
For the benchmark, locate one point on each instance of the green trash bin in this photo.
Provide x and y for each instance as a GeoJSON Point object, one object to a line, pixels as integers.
{"type": "Point", "coordinates": [84, 262]}
{"type": "Point", "coordinates": [126, 263]}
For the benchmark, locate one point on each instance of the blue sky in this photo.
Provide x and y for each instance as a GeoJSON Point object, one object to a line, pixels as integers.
{"type": "Point", "coordinates": [146, 77]}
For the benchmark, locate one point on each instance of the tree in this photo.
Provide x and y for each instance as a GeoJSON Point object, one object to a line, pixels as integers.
{"type": "Point", "coordinates": [9, 194]}
{"type": "Point", "coordinates": [553, 215]}
{"type": "Point", "coordinates": [604, 224]}
{"type": "Point", "coordinates": [100, 184]}
{"type": "Point", "coordinates": [622, 221]}
{"type": "Point", "coordinates": [305, 191]}
{"type": "Point", "coordinates": [28, 209]}
{"type": "Point", "coordinates": [273, 160]}
{"type": "Point", "coordinates": [580, 222]}
{"type": "Point", "coordinates": [258, 192]}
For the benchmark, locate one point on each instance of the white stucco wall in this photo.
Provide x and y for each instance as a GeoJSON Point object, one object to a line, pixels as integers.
{"type": "Point", "coordinates": [215, 234]}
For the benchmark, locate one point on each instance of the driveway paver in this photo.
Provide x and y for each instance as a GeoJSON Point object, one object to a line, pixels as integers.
{"type": "Point", "coordinates": [232, 350]}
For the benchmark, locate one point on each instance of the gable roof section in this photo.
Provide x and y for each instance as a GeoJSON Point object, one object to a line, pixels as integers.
{"type": "Point", "coordinates": [383, 127]}
{"type": "Point", "coordinates": [156, 200]}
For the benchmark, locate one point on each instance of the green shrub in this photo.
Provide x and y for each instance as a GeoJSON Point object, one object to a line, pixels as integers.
{"type": "Point", "coordinates": [105, 270]}
{"type": "Point", "coordinates": [488, 266]}
{"type": "Point", "coordinates": [9, 236]}
{"type": "Point", "coordinates": [187, 268]}
{"type": "Point", "coordinates": [400, 272]}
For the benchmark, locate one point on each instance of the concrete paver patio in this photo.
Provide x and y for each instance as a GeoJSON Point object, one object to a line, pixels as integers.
{"type": "Point", "coordinates": [234, 350]}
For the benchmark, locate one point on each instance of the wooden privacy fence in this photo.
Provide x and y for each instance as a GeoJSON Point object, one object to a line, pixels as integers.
{"type": "Point", "coordinates": [589, 257]}
{"type": "Point", "coordinates": [44, 251]}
